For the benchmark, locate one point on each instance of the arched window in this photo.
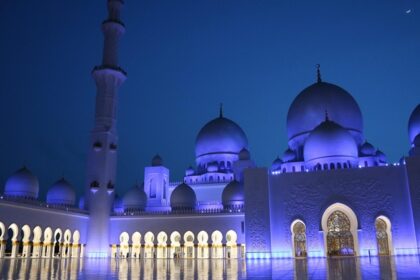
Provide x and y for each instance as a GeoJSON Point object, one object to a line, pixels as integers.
{"type": "Point", "coordinates": [299, 238]}
{"type": "Point", "coordinates": [338, 165]}
{"type": "Point", "coordinates": [325, 166]}
{"type": "Point", "coordinates": [382, 236]}
{"type": "Point", "coordinates": [339, 237]}
{"type": "Point", "coordinates": [332, 166]}
{"type": "Point", "coordinates": [152, 188]}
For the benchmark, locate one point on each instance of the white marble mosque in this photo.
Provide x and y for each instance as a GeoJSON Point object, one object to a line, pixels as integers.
{"type": "Point", "coordinates": [332, 193]}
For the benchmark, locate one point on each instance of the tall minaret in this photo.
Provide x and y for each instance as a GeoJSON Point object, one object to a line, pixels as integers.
{"type": "Point", "coordinates": [102, 154]}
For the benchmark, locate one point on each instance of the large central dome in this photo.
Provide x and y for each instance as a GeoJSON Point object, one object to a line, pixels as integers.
{"type": "Point", "coordinates": [220, 136]}
{"type": "Point", "coordinates": [308, 111]}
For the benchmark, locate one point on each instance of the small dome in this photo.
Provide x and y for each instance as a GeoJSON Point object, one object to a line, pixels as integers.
{"type": "Point", "coordinates": [414, 124]}
{"type": "Point", "coordinates": [221, 136]}
{"type": "Point", "coordinates": [190, 171]}
{"type": "Point", "coordinates": [244, 154]}
{"type": "Point", "coordinates": [307, 111]}
{"type": "Point", "coordinates": [233, 194]}
{"type": "Point", "coordinates": [276, 165]}
{"type": "Point", "coordinates": [183, 197]}
{"type": "Point", "coordinates": [135, 199]}
{"type": "Point", "coordinates": [381, 156]}
{"type": "Point", "coordinates": [118, 204]}
{"type": "Point", "coordinates": [22, 184]}
{"type": "Point", "coordinates": [61, 193]}
{"type": "Point", "coordinates": [157, 161]}
{"type": "Point", "coordinates": [329, 142]}
{"type": "Point", "coordinates": [82, 203]}
{"type": "Point", "coordinates": [288, 156]}
{"type": "Point", "coordinates": [367, 149]}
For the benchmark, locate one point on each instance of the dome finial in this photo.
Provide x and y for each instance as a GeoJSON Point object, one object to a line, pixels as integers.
{"type": "Point", "coordinates": [221, 110]}
{"type": "Point", "coordinates": [318, 73]}
{"type": "Point", "coordinates": [326, 116]}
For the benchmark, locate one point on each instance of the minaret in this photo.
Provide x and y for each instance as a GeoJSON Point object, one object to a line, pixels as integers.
{"type": "Point", "coordinates": [102, 153]}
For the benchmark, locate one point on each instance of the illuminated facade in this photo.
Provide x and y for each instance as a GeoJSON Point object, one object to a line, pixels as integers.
{"type": "Point", "coordinates": [331, 193]}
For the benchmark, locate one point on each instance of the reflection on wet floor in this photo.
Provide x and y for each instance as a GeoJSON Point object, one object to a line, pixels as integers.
{"type": "Point", "coordinates": [320, 268]}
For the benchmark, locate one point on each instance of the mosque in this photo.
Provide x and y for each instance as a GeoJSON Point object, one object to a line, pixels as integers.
{"type": "Point", "coordinates": [332, 193]}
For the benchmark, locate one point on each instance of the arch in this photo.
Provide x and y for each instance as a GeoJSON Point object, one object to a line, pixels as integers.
{"type": "Point", "coordinates": [216, 246]}
{"type": "Point", "coordinates": [216, 237]}
{"type": "Point", "coordinates": [76, 237]}
{"type": "Point", "coordinates": [37, 234]}
{"type": "Point", "coordinates": [47, 245]}
{"type": "Point", "coordinates": [36, 242]}
{"type": "Point", "coordinates": [26, 230]}
{"type": "Point", "coordinates": [175, 238]}
{"type": "Point", "coordinates": [12, 246]}
{"type": "Point", "coordinates": [15, 232]}
{"type": "Point", "coordinates": [175, 245]}
{"type": "Point", "coordinates": [298, 229]}
{"type": "Point", "coordinates": [188, 237]}
{"type": "Point", "coordinates": [231, 237]}
{"type": "Point", "coordinates": [67, 239]}
{"type": "Point", "coordinates": [203, 247]}
{"type": "Point", "coordinates": [231, 245]}
{"type": "Point", "coordinates": [67, 236]}
{"type": "Point", "coordinates": [136, 238]}
{"type": "Point", "coordinates": [162, 239]}
{"type": "Point", "coordinates": [149, 238]}
{"type": "Point", "coordinates": [47, 235]}
{"type": "Point", "coordinates": [189, 244]}
{"type": "Point", "coordinates": [58, 235]}
{"type": "Point", "coordinates": [2, 243]}
{"type": "Point", "coordinates": [202, 237]}
{"type": "Point", "coordinates": [124, 237]}
{"type": "Point", "coordinates": [75, 248]}
{"type": "Point", "coordinates": [339, 224]}
{"type": "Point", "coordinates": [2, 231]}
{"type": "Point", "coordinates": [124, 248]}
{"type": "Point", "coordinates": [383, 236]}
{"type": "Point", "coordinates": [136, 245]}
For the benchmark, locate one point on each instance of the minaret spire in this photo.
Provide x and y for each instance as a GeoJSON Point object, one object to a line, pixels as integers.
{"type": "Point", "coordinates": [221, 110]}
{"type": "Point", "coordinates": [318, 73]}
{"type": "Point", "coordinates": [102, 153]}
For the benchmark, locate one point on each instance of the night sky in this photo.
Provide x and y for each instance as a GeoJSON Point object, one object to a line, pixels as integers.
{"type": "Point", "coordinates": [185, 57]}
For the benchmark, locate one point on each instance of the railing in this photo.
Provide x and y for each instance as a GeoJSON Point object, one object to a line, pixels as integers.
{"type": "Point", "coordinates": [33, 202]}
{"type": "Point", "coordinates": [181, 212]}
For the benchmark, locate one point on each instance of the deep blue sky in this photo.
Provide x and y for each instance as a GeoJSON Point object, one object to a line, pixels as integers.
{"type": "Point", "coordinates": [185, 57]}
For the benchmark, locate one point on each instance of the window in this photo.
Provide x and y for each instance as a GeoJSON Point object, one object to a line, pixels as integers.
{"type": "Point", "coordinates": [339, 238]}
{"type": "Point", "coordinates": [299, 239]}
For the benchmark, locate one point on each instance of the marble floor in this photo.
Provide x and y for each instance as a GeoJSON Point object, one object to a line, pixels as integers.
{"type": "Point", "coordinates": [343, 268]}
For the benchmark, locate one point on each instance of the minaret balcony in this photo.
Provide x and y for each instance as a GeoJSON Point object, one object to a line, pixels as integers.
{"type": "Point", "coordinates": [94, 186]}
{"type": "Point", "coordinates": [110, 187]}
{"type": "Point", "coordinates": [114, 25]}
{"type": "Point", "coordinates": [105, 67]}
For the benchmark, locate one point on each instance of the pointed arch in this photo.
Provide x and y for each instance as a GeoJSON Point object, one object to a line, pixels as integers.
{"type": "Point", "coordinates": [2, 231]}
{"type": "Point", "coordinates": [298, 229]}
{"type": "Point", "coordinates": [339, 225]}
{"type": "Point", "coordinates": [383, 236]}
